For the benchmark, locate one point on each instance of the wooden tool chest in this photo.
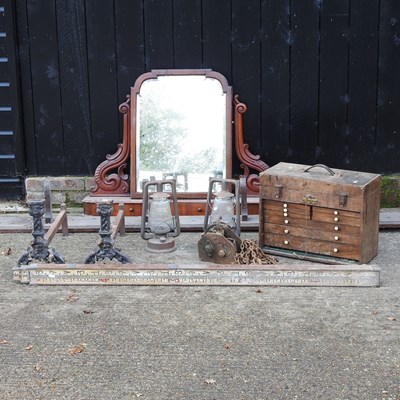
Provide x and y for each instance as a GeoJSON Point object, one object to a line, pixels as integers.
{"type": "Point", "coordinates": [318, 210]}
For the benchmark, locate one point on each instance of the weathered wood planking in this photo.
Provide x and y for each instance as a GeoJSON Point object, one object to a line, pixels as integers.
{"type": "Point", "coordinates": [275, 82]}
{"type": "Point", "coordinates": [387, 138]}
{"type": "Point", "coordinates": [334, 85]}
{"type": "Point", "coordinates": [46, 90]}
{"type": "Point", "coordinates": [27, 92]}
{"type": "Point", "coordinates": [363, 48]}
{"type": "Point", "coordinates": [158, 35]}
{"type": "Point", "coordinates": [246, 61]}
{"type": "Point", "coordinates": [187, 32]}
{"type": "Point", "coordinates": [74, 85]}
{"type": "Point", "coordinates": [12, 166]}
{"type": "Point", "coordinates": [300, 68]}
{"type": "Point", "coordinates": [216, 37]}
{"type": "Point", "coordinates": [304, 41]}
{"type": "Point", "coordinates": [102, 71]}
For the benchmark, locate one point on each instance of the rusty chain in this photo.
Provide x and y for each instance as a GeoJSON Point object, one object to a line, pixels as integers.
{"type": "Point", "coordinates": [250, 253]}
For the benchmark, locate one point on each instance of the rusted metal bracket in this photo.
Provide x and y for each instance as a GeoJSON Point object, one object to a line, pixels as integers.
{"type": "Point", "coordinates": [278, 191]}
{"type": "Point", "coordinates": [342, 199]}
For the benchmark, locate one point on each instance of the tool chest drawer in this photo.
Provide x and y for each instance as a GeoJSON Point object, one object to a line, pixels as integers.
{"type": "Point", "coordinates": [319, 210]}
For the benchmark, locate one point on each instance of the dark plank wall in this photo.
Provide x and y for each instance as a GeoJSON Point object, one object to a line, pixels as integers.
{"type": "Point", "coordinates": [320, 78]}
{"type": "Point", "coordinates": [387, 138]}
{"type": "Point", "coordinates": [12, 166]}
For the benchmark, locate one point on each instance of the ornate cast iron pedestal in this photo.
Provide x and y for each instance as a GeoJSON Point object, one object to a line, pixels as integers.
{"type": "Point", "coordinates": [40, 250]}
{"type": "Point", "coordinates": [106, 243]}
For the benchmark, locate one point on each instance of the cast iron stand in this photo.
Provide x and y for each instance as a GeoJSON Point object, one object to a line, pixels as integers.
{"type": "Point", "coordinates": [106, 243]}
{"type": "Point", "coordinates": [40, 250]}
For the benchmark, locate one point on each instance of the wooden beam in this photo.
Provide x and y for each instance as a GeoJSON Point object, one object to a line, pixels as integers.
{"type": "Point", "coordinates": [206, 274]}
{"type": "Point", "coordinates": [119, 223]}
{"type": "Point", "coordinates": [61, 220]}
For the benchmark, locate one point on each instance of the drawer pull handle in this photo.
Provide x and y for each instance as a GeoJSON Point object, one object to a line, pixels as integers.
{"type": "Point", "coordinates": [336, 219]}
{"type": "Point", "coordinates": [335, 250]}
{"type": "Point", "coordinates": [286, 221]}
{"type": "Point", "coordinates": [285, 205]}
{"type": "Point", "coordinates": [286, 231]}
{"type": "Point", "coordinates": [336, 228]}
{"type": "Point", "coordinates": [285, 214]}
{"type": "Point", "coordinates": [336, 212]}
{"type": "Point", "coordinates": [286, 242]}
{"type": "Point", "coordinates": [336, 237]}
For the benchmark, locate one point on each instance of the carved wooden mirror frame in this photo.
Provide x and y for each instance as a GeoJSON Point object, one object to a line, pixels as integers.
{"type": "Point", "coordinates": [153, 77]}
{"type": "Point", "coordinates": [110, 176]}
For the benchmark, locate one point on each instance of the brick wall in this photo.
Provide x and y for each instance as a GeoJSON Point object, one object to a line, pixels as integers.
{"type": "Point", "coordinates": [67, 189]}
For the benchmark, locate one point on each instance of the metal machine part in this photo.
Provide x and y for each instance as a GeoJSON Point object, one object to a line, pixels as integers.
{"type": "Point", "coordinates": [218, 244]}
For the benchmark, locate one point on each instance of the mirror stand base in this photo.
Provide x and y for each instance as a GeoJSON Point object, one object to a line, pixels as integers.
{"type": "Point", "coordinates": [133, 207]}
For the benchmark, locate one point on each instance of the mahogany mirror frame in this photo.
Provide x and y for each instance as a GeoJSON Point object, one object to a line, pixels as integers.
{"type": "Point", "coordinates": [155, 74]}
{"type": "Point", "coordinates": [112, 181]}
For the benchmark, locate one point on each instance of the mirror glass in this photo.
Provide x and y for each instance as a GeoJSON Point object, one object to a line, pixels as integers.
{"type": "Point", "coordinates": [181, 131]}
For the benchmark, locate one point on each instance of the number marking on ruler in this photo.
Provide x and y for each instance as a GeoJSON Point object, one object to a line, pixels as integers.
{"type": "Point", "coordinates": [199, 274]}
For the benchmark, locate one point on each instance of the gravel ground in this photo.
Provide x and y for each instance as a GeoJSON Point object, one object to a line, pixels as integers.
{"type": "Point", "coordinates": [74, 342]}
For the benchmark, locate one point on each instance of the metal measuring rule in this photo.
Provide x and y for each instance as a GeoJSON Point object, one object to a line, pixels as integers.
{"type": "Point", "coordinates": [198, 275]}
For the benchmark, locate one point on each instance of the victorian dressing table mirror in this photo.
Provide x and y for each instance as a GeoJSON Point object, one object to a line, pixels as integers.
{"type": "Point", "coordinates": [177, 124]}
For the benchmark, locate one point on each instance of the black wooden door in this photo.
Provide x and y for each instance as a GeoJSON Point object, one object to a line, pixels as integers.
{"type": "Point", "coordinates": [11, 150]}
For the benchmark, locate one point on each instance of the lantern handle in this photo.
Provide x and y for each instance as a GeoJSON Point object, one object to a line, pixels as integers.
{"type": "Point", "coordinates": [237, 201]}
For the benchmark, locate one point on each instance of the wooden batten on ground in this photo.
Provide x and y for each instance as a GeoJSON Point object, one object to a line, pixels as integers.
{"type": "Point", "coordinates": [119, 223]}
{"type": "Point", "coordinates": [199, 275]}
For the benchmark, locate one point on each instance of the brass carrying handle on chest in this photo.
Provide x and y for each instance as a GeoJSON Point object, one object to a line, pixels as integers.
{"type": "Point", "coordinates": [320, 166]}
{"type": "Point", "coordinates": [310, 199]}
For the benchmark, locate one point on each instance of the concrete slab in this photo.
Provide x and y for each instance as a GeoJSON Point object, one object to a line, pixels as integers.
{"type": "Point", "coordinates": [156, 343]}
